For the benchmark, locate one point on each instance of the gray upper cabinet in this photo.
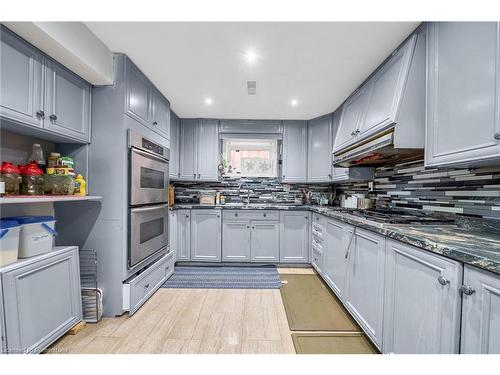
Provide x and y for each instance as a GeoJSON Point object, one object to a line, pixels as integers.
{"type": "Point", "coordinates": [206, 238]}
{"type": "Point", "coordinates": [386, 90]}
{"type": "Point", "coordinates": [199, 150]}
{"type": "Point", "coordinates": [38, 93]}
{"type": "Point", "coordinates": [251, 126]}
{"type": "Point", "coordinates": [208, 150]}
{"type": "Point", "coordinates": [480, 312]}
{"type": "Point", "coordinates": [188, 165]}
{"type": "Point", "coordinates": [174, 146]}
{"type": "Point", "coordinates": [67, 102]}
{"type": "Point", "coordinates": [352, 117]}
{"type": "Point", "coordinates": [138, 94]}
{"type": "Point", "coordinates": [364, 296]}
{"type": "Point", "coordinates": [294, 237]}
{"type": "Point", "coordinates": [463, 86]}
{"type": "Point", "coordinates": [294, 151]}
{"type": "Point", "coordinates": [320, 139]}
{"type": "Point", "coordinates": [422, 301]}
{"type": "Point", "coordinates": [160, 118]}
{"type": "Point", "coordinates": [21, 91]}
{"type": "Point", "coordinates": [48, 287]}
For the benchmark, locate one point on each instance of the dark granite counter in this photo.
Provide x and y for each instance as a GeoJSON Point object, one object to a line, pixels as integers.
{"type": "Point", "coordinates": [477, 245]}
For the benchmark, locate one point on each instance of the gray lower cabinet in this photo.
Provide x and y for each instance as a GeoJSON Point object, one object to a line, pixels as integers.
{"type": "Point", "coordinates": [67, 102]}
{"type": "Point", "coordinates": [172, 231]}
{"type": "Point", "coordinates": [174, 146]}
{"type": "Point", "coordinates": [265, 241]}
{"type": "Point", "coordinates": [21, 91]}
{"type": "Point", "coordinates": [294, 237]}
{"type": "Point", "coordinates": [206, 235]}
{"type": "Point", "coordinates": [236, 241]}
{"type": "Point", "coordinates": [422, 301]}
{"type": "Point", "coordinates": [183, 235]}
{"type": "Point", "coordinates": [364, 296]}
{"type": "Point", "coordinates": [319, 150]}
{"type": "Point", "coordinates": [41, 300]}
{"type": "Point", "coordinates": [3, 337]}
{"type": "Point", "coordinates": [463, 68]}
{"type": "Point", "coordinates": [339, 241]}
{"type": "Point", "coordinates": [480, 312]}
{"type": "Point", "coordinates": [294, 156]}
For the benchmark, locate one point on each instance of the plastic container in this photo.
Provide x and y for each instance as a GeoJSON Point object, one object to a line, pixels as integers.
{"type": "Point", "coordinates": [37, 156]}
{"type": "Point", "coordinates": [207, 197]}
{"type": "Point", "coordinates": [36, 235]}
{"type": "Point", "coordinates": [9, 241]}
{"type": "Point", "coordinates": [80, 186]}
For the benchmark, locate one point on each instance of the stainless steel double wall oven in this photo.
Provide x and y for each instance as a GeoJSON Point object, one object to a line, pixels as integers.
{"type": "Point", "coordinates": [148, 199]}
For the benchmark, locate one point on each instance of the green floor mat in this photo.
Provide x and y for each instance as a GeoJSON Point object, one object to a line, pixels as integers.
{"type": "Point", "coordinates": [311, 306]}
{"type": "Point", "coordinates": [332, 343]}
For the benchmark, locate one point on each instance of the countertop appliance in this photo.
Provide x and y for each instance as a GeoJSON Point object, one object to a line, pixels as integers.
{"type": "Point", "coordinates": [148, 203]}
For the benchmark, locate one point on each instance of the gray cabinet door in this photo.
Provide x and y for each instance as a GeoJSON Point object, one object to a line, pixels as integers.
{"type": "Point", "coordinates": [42, 301]}
{"type": "Point", "coordinates": [188, 146]}
{"type": "Point", "coordinates": [387, 86]}
{"type": "Point", "coordinates": [319, 150]}
{"type": "Point", "coordinates": [294, 237]}
{"type": "Point", "coordinates": [339, 241]}
{"type": "Point", "coordinates": [480, 312]}
{"type": "Point", "coordinates": [184, 235]}
{"type": "Point", "coordinates": [265, 241]}
{"type": "Point", "coordinates": [172, 232]}
{"type": "Point", "coordinates": [338, 173]}
{"type": "Point", "coordinates": [138, 94]}
{"type": "Point", "coordinates": [294, 151]}
{"type": "Point", "coordinates": [3, 338]}
{"type": "Point", "coordinates": [365, 282]}
{"type": "Point", "coordinates": [422, 301]}
{"type": "Point", "coordinates": [160, 117]}
{"type": "Point", "coordinates": [208, 150]}
{"type": "Point", "coordinates": [236, 241]}
{"type": "Point", "coordinates": [463, 89]}
{"type": "Point", "coordinates": [174, 146]}
{"type": "Point", "coordinates": [206, 235]}
{"type": "Point", "coordinates": [353, 112]}
{"type": "Point", "coordinates": [21, 95]}
{"type": "Point", "coordinates": [67, 102]}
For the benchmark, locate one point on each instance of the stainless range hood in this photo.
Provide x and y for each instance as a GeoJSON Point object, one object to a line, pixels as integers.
{"type": "Point", "coordinates": [379, 150]}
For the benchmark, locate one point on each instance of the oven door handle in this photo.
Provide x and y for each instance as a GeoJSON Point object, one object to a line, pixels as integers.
{"type": "Point", "coordinates": [149, 208]}
{"type": "Point", "coordinates": [149, 155]}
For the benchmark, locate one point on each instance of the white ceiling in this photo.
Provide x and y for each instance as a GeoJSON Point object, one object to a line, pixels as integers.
{"type": "Point", "coordinates": [318, 64]}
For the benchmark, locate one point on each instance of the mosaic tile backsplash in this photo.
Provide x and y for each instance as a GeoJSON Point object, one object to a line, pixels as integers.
{"type": "Point", "coordinates": [262, 190]}
{"type": "Point", "coordinates": [471, 192]}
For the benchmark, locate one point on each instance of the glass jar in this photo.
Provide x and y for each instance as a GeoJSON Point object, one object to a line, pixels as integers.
{"type": "Point", "coordinates": [32, 180]}
{"type": "Point", "coordinates": [12, 178]}
{"type": "Point", "coordinates": [52, 160]}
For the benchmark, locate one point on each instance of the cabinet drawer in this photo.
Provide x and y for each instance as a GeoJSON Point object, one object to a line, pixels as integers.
{"type": "Point", "coordinates": [318, 231]}
{"type": "Point", "coordinates": [317, 243]}
{"type": "Point", "coordinates": [317, 260]}
{"type": "Point", "coordinates": [139, 289]}
{"type": "Point", "coordinates": [251, 215]}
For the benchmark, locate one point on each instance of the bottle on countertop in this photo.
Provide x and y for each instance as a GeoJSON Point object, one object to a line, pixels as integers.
{"type": "Point", "coordinates": [222, 200]}
{"type": "Point", "coordinates": [217, 198]}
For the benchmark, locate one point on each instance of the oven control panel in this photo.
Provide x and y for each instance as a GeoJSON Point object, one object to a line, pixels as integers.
{"type": "Point", "coordinates": [153, 147]}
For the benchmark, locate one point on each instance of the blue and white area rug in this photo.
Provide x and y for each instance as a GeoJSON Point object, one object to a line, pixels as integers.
{"type": "Point", "coordinates": [224, 278]}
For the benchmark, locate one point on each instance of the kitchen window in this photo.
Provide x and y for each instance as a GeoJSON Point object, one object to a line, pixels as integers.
{"type": "Point", "coordinates": [250, 157]}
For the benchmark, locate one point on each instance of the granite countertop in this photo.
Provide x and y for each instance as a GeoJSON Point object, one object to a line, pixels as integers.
{"type": "Point", "coordinates": [475, 245]}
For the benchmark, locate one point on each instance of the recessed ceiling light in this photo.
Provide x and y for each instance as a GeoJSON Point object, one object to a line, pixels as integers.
{"type": "Point", "coordinates": [251, 57]}
{"type": "Point", "coordinates": [294, 102]}
{"type": "Point", "coordinates": [208, 101]}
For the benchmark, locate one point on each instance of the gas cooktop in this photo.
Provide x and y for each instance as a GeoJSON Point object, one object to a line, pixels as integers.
{"type": "Point", "coordinates": [399, 217]}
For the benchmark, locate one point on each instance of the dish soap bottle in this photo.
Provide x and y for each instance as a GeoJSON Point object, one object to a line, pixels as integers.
{"type": "Point", "coordinates": [80, 186]}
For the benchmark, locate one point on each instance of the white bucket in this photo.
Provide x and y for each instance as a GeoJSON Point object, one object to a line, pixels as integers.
{"type": "Point", "coordinates": [36, 236]}
{"type": "Point", "coordinates": [9, 242]}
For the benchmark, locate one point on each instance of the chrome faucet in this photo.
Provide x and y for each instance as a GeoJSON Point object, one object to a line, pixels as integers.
{"type": "Point", "coordinates": [248, 191]}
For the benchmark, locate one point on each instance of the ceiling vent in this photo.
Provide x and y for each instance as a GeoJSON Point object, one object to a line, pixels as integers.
{"type": "Point", "coordinates": [252, 87]}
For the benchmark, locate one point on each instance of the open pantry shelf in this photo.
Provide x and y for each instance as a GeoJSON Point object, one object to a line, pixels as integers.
{"type": "Point", "coordinates": [48, 198]}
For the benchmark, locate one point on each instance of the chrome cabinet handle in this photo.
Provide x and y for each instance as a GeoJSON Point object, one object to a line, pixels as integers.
{"type": "Point", "coordinates": [265, 215]}
{"type": "Point", "coordinates": [194, 175]}
{"type": "Point", "coordinates": [443, 281]}
{"type": "Point", "coordinates": [155, 123]}
{"type": "Point", "coordinates": [353, 134]}
{"type": "Point", "coordinates": [467, 290]}
{"type": "Point", "coordinates": [199, 176]}
{"type": "Point", "coordinates": [146, 286]}
{"type": "Point", "coordinates": [248, 226]}
{"type": "Point", "coordinates": [40, 114]}
{"type": "Point", "coordinates": [497, 136]}
{"type": "Point", "coordinates": [349, 245]}
{"type": "Point", "coordinates": [53, 117]}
